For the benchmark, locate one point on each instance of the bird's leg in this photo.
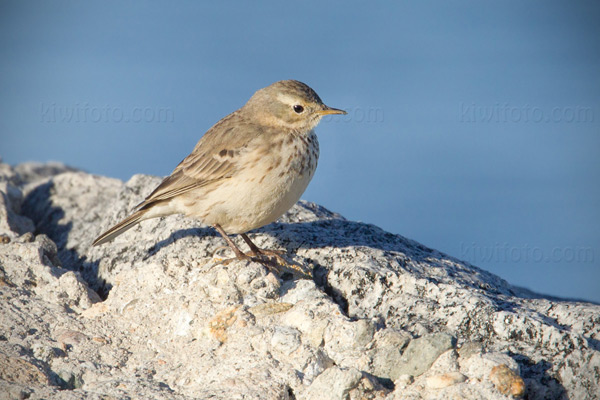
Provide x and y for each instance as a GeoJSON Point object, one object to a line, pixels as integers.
{"type": "Point", "coordinates": [257, 251]}
{"type": "Point", "coordinates": [255, 254]}
{"type": "Point", "coordinates": [238, 253]}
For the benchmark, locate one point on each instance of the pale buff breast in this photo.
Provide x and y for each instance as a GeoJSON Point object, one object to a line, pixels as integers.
{"type": "Point", "coordinates": [269, 184]}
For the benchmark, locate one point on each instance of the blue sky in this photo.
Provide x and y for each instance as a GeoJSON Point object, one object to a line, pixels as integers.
{"type": "Point", "coordinates": [473, 128]}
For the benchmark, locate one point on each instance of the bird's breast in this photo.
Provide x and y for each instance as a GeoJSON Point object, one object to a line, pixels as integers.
{"type": "Point", "coordinates": [292, 166]}
{"type": "Point", "coordinates": [269, 180]}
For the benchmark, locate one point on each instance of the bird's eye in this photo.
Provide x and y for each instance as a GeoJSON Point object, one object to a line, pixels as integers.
{"type": "Point", "coordinates": [298, 109]}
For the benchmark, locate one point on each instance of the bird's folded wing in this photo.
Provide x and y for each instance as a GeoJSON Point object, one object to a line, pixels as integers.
{"type": "Point", "coordinates": [215, 157]}
{"type": "Point", "coordinates": [200, 172]}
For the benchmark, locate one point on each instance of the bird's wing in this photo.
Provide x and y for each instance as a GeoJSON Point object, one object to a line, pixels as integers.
{"type": "Point", "coordinates": [215, 157]}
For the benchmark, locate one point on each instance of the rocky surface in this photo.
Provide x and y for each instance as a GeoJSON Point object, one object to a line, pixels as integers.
{"type": "Point", "coordinates": [154, 315]}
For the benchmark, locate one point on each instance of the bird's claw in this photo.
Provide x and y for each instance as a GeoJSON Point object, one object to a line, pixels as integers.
{"type": "Point", "coordinates": [273, 261]}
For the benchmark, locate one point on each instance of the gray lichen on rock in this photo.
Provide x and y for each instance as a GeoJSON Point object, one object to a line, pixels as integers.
{"type": "Point", "coordinates": [384, 317]}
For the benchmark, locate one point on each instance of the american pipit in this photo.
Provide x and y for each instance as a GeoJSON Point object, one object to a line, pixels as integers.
{"type": "Point", "coordinates": [247, 170]}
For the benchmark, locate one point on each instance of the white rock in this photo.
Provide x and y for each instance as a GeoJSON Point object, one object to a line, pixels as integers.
{"type": "Point", "coordinates": [333, 384]}
{"type": "Point", "coordinates": [444, 380]}
{"type": "Point", "coordinates": [177, 325]}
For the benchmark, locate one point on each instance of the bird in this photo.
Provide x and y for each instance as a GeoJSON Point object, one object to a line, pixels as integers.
{"type": "Point", "coordinates": [246, 171]}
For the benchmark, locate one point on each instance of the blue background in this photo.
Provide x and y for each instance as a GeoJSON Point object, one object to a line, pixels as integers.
{"type": "Point", "coordinates": [473, 128]}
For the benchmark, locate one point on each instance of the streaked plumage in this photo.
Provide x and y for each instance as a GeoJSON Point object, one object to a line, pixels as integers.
{"type": "Point", "coordinates": [247, 170]}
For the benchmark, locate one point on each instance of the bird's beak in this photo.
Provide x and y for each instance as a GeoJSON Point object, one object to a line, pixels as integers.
{"type": "Point", "coordinates": [328, 110]}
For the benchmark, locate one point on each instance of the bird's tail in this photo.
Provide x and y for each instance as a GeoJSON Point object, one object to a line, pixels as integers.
{"type": "Point", "coordinates": [121, 227]}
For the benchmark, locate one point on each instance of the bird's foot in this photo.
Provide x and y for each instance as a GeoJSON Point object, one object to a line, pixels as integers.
{"type": "Point", "coordinates": [274, 254]}
{"type": "Point", "coordinates": [227, 261]}
{"type": "Point", "coordinates": [276, 257]}
{"type": "Point", "coordinates": [274, 261]}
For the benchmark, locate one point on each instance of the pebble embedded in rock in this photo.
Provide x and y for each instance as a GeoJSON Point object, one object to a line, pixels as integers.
{"type": "Point", "coordinates": [444, 380]}
{"type": "Point", "coordinates": [422, 352]}
{"type": "Point", "coordinates": [506, 381]}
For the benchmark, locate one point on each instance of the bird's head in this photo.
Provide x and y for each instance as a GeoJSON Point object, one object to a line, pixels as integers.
{"type": "Point", "coordinates": [288, 104]}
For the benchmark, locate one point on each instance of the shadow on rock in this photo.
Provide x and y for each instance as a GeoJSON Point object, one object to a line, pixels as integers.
{"type": "Point", "coordinates": [46, 216]}
{"type": "Point", "coordinates": [536, 377]}
{"type": "Point", "coordinates": [177, 235]}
